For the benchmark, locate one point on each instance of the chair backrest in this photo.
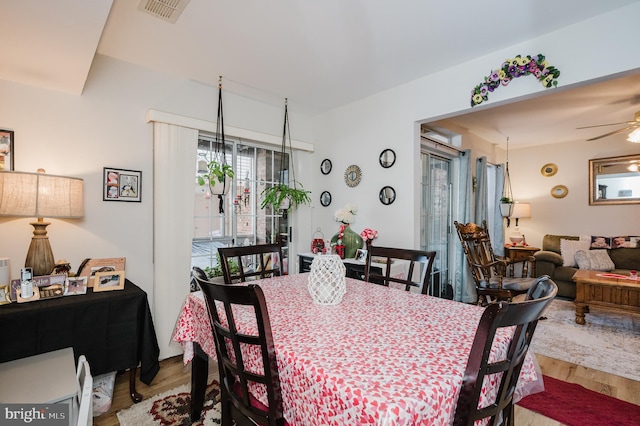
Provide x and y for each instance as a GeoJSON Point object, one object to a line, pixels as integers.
{"type": "Point", "coordinates": [523, 317]}
{"type": "Point", "coordinates": [85, 392]}
{"type": "Point", "coordinates": [476, 244]}
{"type": "Point", "coordinates": [541, 287]}
{"type": "Point", "coordinates": [197, 272]}
{"type": "Point", "coordinates": [240, 264]}
{"type": "Point", "coordinates": [239, 333]}
{"type": "Point", "coordinates": [387, 255]}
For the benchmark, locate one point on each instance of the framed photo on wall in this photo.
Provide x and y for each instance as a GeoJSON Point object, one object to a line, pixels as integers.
{"type": "Point", "coordinates": [6, 150]}
{"type": "Point", "coordinates": [107, 281]}
{"type": "Point", "coordinates": [121, 185]}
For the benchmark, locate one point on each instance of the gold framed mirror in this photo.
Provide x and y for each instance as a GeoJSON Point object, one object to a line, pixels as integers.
{"type": "Point", "coordinates": [559, 191]}
{"type": "Point", "coordinates": [614, 180]}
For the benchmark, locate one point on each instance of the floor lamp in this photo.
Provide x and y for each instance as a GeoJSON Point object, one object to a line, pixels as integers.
{"type": "Point", "coordinates": [40, 195]}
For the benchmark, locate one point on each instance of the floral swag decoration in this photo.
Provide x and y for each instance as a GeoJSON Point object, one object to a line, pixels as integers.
{"type": "Point", "coordinates": [514, 68]}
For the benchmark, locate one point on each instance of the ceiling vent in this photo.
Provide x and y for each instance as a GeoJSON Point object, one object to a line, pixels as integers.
{"type": "Point", "coordinates": [167, 10]}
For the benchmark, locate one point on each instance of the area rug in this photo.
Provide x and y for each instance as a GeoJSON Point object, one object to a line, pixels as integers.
{"type": "Point", "coordinates": [575, 405]}
{"type": "Point", "coordinates": [172, 408]}
{"type": "Point", "coordinates": [608, 342]}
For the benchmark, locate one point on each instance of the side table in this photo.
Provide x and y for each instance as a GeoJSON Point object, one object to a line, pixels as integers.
{"type": "Point", "coordinates": [517, 254]}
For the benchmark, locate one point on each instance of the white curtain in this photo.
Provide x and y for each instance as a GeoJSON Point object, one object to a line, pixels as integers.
{"type": "Point", "coordinates": [174, 157]}
{"type": "Point", "coordinates": [464, 289]}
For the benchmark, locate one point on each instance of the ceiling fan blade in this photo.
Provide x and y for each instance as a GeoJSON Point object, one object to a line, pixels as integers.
{"type": "Point", "coordinates": [610, 124]}
{"type": "Point", "coordinates": [611, 133]}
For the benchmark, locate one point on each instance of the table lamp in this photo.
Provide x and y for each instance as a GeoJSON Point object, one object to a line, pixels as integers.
{"type": "Point", "coordinates": [40, 195]}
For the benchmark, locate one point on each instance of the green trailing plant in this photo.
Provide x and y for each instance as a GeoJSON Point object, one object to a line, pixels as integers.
{"type": "Point", "coordinates": [506, 200]}
{"type": "Point", "coordinates": [216, 271]}
{"type": "Point", "coordinates": [216, 172]}
{"type": "Point", "coordinates": [293, 191]}
{"type": "Point", "coordinates": [276, 195]}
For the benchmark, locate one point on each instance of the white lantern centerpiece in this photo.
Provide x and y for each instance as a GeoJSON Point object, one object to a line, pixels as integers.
{"type": "Point", "coordinates": [327, 282]}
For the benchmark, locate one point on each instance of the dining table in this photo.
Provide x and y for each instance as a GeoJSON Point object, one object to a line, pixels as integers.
{"type": "Point", "coordinates": [381, 356]}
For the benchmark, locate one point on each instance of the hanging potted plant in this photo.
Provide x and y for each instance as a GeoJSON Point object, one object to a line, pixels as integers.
{"type": "Point", "coordinates": [218, 177]}
{"type": "Point", "coordinates": [506, 206]}
{"type": "Point", "coordinates": [285, 196]}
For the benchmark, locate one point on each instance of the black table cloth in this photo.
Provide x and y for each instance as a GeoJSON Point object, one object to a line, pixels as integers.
{"type": "Point", "coordinates": [113, 329]}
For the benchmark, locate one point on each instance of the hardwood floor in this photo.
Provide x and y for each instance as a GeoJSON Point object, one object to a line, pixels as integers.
{"type": "Point", "coordinates": [173, 373]}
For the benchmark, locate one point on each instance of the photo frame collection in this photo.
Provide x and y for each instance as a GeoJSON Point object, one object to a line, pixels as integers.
{"type": "Point", "coordinates": [121, 185]}
{"type": "Point", "coordinates": [90, 267]}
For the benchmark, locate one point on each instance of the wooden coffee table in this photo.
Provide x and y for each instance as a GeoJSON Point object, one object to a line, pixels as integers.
{"type": "Point", "coordinates": [596, 288]}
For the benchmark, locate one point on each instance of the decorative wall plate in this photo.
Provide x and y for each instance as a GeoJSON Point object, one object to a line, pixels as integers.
{"type": "Point", "coordinates": [549, 169]}
{"type": "Point", "coordinates": [559, 191]}
{"type": "Point", "coordinates": [352, 175]}
{"type": "Point", "coordinates": [325, 166]}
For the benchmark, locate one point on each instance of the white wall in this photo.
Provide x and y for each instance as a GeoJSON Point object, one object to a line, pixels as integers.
{"type": "Point", "coordinates": [78, 136]}
{"type": "Point", "coordinates": [358, 132]}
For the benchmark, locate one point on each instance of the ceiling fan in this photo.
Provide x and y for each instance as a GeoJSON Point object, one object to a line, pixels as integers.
{"type": "Point", "coordinates": [630, 125]}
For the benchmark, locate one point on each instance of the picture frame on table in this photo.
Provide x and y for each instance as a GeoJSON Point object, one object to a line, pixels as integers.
{"type": "Point", "coordinates": [108, 281]}
{"type": "Point", "coordinates": [90, 267]}
{"type": "Point", "coordinates": [121, 185]}
{"type": "Point", "coordinates": [5, 294]}
{"type": "Point", "coordinates": [75, 285]}
{"type": "Point", "coordinates": [6, 149]}
{"type": "Point", "coordinates": [361, 255]}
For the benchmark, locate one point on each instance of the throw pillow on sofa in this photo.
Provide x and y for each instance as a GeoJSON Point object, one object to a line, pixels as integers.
{"type": "Point", "coordinates": [568, 249]}
{"type": "Point", "coordinates": [595, 260]}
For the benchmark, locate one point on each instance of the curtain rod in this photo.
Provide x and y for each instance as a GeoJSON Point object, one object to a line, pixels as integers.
{"type": "Point", "coordinates": [443, 144]}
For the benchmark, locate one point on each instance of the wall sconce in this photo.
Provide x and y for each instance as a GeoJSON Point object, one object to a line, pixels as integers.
{"type": "Point", "coordinates": [40, 195]}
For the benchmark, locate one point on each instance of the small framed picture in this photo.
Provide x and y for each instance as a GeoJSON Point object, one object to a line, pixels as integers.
{"type": "Point", "coordinates": [361, 255]}
{"type": "Point", "coordinates": [75, 285]}
{"type": "Point", "coordinates": [107, 281]}
{"type": "Point", "coordinates": [6, 150]}
{"type": "Point", "coordinates": [90, 267]}
{"type": "Point", "coordinates": [5, 294]}
{"type": "Point", "coordinates": [121, 185]}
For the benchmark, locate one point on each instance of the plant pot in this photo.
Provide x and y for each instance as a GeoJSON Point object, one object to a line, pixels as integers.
{"type": "Point", "coordinates": [506, 209]}
{"type": "Point", "coordinates": [220, 188]}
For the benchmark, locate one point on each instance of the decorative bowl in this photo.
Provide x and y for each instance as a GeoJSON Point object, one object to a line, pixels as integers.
{"type": "Point", "coordinates": [516, 240]}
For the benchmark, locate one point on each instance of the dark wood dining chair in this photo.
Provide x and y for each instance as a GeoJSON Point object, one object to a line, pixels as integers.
{"type": "Point", "coordinates": [240, 264]}
{"type": "Point", "coordinates": [490, 272]}
{"type": "Point", "coordinates": [233, 344]}
{"type": "Point", "coordinates": [388, 255]}
{"type": "Point", "coordinates": [523, 316]}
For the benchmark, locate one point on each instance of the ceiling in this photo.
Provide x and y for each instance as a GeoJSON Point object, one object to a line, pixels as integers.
{"type": "Point", "coordinates": [320, 55]}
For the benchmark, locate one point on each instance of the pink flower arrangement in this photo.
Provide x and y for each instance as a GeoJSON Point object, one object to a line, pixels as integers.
{"type": "Point", "coordinates": [368, 234]}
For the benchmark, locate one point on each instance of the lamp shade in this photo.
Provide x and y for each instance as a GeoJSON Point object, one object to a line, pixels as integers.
{"type": "Point", "coordinates": [40, 195]}
{"type": "Point", "coordinates": [521, 210]}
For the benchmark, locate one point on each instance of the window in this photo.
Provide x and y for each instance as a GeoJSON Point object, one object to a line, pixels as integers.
{"type": "Point", "coordinates": [241, 221]}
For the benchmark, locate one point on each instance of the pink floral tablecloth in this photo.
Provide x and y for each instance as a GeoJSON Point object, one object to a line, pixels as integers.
{"type": "Point", "coordinates": [381, 357]}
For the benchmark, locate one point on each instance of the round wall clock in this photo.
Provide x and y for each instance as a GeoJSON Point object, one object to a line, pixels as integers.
{"type": "Point", "coordinates": [352, 175]}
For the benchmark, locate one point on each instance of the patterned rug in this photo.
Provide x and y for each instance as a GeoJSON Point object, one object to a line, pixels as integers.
{"type": "Point", "coordinates": [609, 341]}
{"type": "Point", "coordinates": [172, 408]}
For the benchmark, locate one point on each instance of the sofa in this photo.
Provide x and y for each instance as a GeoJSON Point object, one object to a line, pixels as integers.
{"type": "Point", "coordinates": [549, 261]}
